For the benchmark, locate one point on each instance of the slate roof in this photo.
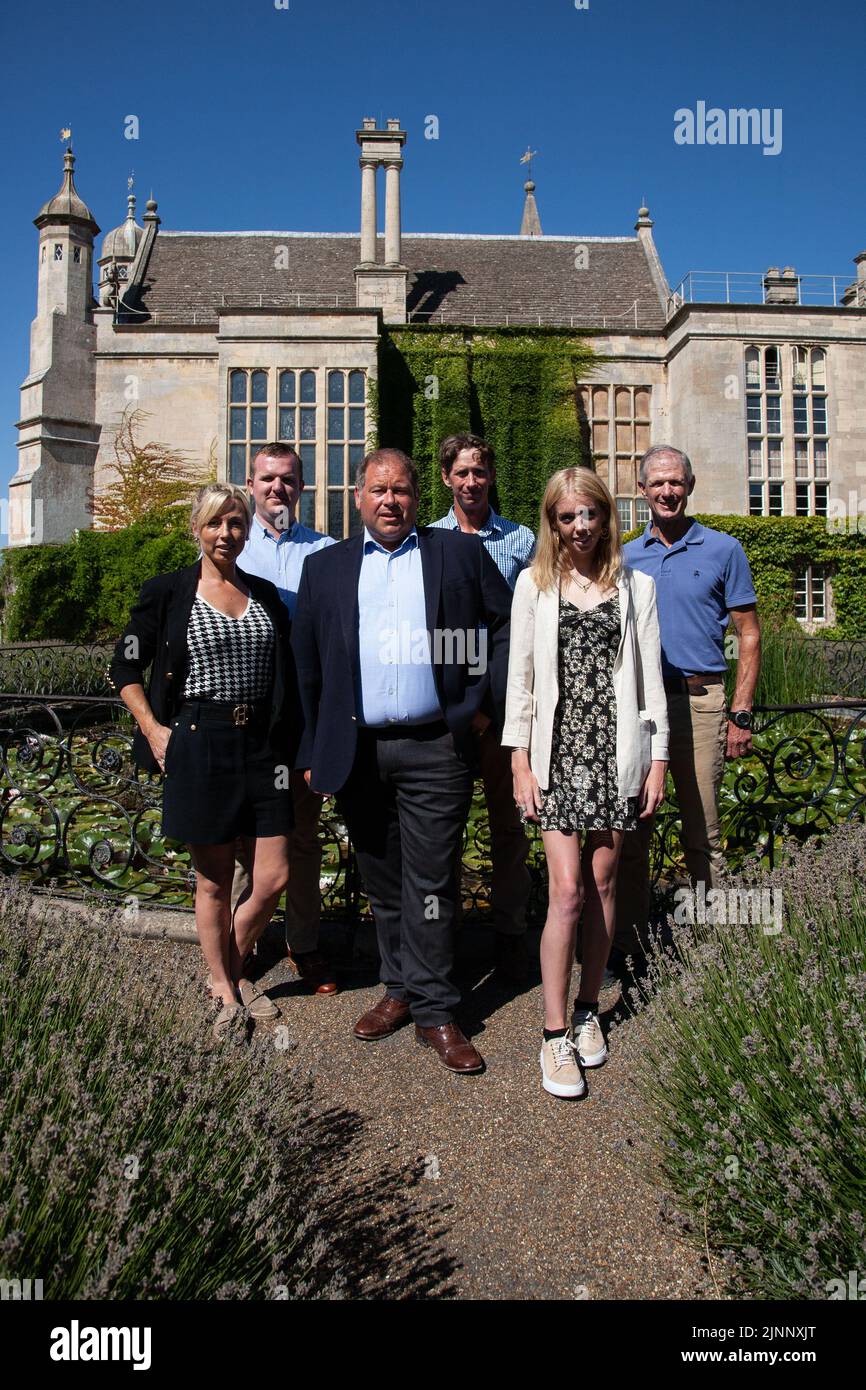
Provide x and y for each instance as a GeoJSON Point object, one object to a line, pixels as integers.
{"type": "Point", "coordinates": [453, 279]}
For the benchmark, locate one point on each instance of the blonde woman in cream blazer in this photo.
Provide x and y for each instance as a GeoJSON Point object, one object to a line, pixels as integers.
{"type": "Point", "coordinates": [586, 718]}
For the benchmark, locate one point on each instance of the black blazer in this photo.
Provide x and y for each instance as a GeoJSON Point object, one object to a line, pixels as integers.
{"type": "Point", "coordinates": [463, 589]}
{"type": "Point", "coordinates": [158, 624]}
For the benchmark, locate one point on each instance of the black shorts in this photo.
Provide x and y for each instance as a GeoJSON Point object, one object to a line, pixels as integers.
{"type": "Point", "coordinates": [222, 781]}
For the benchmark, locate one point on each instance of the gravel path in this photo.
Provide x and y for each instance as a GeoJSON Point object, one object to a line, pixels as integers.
{"type": "Point", "coordinates": [515, 1195]}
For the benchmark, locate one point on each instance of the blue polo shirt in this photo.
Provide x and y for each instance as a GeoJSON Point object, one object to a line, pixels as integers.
{"type": "Point", "coordinates": [698, 579]}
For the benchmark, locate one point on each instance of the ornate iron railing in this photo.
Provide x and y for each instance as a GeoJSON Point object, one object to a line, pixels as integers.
{"type": "Point", "coordinates": [78, 817]}
{"type": "Point", "coordinates": [54, 668]}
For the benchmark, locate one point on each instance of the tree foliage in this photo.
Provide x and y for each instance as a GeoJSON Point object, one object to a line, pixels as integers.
{"type": "Point", "coordinates": [144, 477]}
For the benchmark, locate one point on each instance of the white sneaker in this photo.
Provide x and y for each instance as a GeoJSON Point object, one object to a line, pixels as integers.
{"type": "Point", "coordinates": [560, 1074]}
{"type": "Point", "coordinates": [589, 1040]}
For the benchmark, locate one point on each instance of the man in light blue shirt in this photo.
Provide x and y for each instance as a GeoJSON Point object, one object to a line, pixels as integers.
{"type": "Point", "coordinates": [276, 549]}
{"type": "Point", "coordinates": [395, 666]}
{"type": "Point", "coordinates": [468, 466]}
{"type": "Point", "coordinates": [278, 544]}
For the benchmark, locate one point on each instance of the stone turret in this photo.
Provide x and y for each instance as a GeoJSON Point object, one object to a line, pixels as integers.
{"type": "Point", "coordinates": [118, 253]}
{"type": "Point", "coordinates": [57, 431]}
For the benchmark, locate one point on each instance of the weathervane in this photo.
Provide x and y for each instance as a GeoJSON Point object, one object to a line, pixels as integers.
{"type": "Point", "coordinates": [66, 134]}
{"type": "Point", "coordinates": [528, 158]}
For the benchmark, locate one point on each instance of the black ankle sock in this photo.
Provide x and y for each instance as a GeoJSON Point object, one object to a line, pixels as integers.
{"type": "Point", "coordinates": [590, 1004]}
{"type": "Point", "coordinates": [554, 1033]}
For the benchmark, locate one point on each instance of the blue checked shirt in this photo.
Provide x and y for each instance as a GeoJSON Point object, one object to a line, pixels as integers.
{"type": "Point", "coordinates": [509, 545]}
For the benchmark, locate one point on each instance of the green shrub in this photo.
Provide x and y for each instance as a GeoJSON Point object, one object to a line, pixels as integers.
{"type": "Point", "coordinates": [779, 546]}
{"type": "Point", "coordinates": [82, 590]}
{"type": "Point", "coordinates": [751, 1067]}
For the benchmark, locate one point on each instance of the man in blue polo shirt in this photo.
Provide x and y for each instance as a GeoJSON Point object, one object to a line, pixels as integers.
{"type": "Point", "coordinates": [468, 467]}
{"type": "Point", "coordinates": [703, 583]}
{"type": "Point", "coordinates": [276, 549]}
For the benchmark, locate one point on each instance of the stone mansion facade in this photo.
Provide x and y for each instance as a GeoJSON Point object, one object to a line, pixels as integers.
{"type": "Point", "coordinates": [227, 339]}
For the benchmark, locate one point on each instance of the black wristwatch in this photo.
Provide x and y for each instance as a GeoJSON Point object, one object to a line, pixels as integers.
{"type": "Point", "coordinates": [741, 717]}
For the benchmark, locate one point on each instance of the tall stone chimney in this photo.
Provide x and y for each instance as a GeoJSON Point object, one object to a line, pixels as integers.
{"type": "Point", "coordinates": [781, 288]}
{"type": "Point", "coordinates": [381, 285]}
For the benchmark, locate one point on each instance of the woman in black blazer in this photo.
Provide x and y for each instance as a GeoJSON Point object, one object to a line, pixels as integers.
{"type": "Point", "coordinates": [221, 719]}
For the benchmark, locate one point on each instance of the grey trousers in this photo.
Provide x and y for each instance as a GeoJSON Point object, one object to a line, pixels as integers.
{"type": "Point", "coordinates": [509, 845]}
{"type": "Point", "coordinates": [405, 807]}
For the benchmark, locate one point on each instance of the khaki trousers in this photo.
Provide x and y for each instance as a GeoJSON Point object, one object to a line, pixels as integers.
{"type": "Point", "coordinates": [697, 762]}
{"type": "Point", "coordinates": [509, 846]}
{"type": "Point", "coordinates": [303, 898]}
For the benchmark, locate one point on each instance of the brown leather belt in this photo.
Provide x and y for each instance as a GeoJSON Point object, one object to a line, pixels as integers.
{"type": "Point", "coordinates": [693, 685]}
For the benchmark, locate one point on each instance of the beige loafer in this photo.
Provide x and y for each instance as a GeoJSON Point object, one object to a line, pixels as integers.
{"type": "Point", "coordinates": [258, 1003]}
{"type": "Point", "coordinates": [224, 1019]}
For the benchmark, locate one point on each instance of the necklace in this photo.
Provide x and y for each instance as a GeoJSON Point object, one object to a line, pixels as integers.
{"type": "Point", "coordinates": [584, 588]}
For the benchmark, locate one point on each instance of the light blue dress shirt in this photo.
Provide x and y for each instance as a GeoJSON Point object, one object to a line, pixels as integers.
{"type": "Point", "coordinates": [509, 545]}
{"type": "Point", "coordinates": [395, 669]}
{"type": "Point", "coordinates": [281, 558]}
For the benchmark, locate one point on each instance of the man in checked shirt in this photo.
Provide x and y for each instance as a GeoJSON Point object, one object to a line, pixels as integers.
{"type": "Point", "coordinates": [469, 470]}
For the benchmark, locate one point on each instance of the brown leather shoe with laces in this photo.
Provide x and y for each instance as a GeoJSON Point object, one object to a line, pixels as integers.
{"type": "Point", "coordinates": [314, 970]}
{"type": "Point", "coordinates": [455, 1051]}
{"type": "Point", "coordinates": [382, 1020]}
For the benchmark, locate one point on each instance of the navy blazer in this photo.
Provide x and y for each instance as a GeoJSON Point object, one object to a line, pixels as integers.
{"type": "Point", "coordinates": [463, 589]}
{"type": "Point", "coordinates": [159, 623]}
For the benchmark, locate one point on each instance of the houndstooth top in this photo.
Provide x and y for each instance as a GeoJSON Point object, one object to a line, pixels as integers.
{"type": "Point", "coordinates": [229, 658]}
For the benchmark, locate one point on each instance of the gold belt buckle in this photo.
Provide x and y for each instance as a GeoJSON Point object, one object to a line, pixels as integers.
{"type": "Point", "coordinates": [240, 715]}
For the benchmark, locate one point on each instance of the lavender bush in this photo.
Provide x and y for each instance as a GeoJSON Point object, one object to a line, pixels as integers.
{"type": "Point", "coordinates": [138, 1159]}
{"type": "Point", "coordinates": [752, 1071]}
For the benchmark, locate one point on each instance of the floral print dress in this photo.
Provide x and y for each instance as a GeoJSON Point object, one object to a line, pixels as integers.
{"type": "Point", "coordinates": [583, 791]}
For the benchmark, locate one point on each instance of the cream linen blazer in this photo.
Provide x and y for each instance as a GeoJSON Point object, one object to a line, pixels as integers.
{"type": "Point", "coordinates": [533, 679]}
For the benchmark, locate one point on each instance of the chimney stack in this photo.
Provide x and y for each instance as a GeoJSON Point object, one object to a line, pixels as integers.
{"type": "Point", "coordinates": [381, 286]}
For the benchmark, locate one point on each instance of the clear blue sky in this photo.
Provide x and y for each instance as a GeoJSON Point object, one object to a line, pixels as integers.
{"type": "Point", "coordinates": [247, 117]}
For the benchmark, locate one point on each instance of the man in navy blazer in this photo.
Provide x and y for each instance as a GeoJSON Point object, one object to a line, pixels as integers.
{"type": "Point", "coordinates": [400, 638]}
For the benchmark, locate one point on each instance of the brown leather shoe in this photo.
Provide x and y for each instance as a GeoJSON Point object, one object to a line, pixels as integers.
{"type": "Point", "coordinates": [382, 1020]}
{"type": "Point", "coordinates": [455, 1051]}
{"type": "Point", "coordinates": [314, 970]}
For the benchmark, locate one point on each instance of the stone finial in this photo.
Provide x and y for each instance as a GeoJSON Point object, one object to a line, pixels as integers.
{"type": "Point", "coordinates": [531, 223]}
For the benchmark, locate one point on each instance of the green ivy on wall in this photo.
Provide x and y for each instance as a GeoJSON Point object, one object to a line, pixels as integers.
{"type": "Point", "coordinates": [517, 390]}
{"type": "Point", "coordinates": [777, 547]}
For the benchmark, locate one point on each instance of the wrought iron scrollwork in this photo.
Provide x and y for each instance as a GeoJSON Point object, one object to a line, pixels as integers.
{"type": "Point", "coordinates": [75, 812]}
